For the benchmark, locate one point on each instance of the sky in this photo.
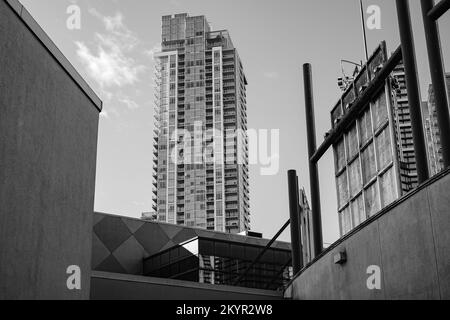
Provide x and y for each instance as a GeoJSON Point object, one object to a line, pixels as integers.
{"type": "Point", "coordinates": [113, 51]}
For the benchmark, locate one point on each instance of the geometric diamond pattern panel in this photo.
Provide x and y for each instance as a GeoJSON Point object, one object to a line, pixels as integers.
{"type": "Point", "coordinates": [130, 254]}
{"type": "Point", "coordinates": [99, 251]}
{"type": "Point", "coordinates": [112, 231]}
{"type": "Point", "coordinates": [111, 264]}
{"type": "Point", "coordinates": [152, 238]}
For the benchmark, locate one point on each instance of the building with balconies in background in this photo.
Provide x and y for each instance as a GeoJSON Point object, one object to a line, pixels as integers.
{"type": "Point", "coordinates": [201, 147]}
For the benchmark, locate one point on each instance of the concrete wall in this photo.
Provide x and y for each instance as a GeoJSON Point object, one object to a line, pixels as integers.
{"type": "Point", "coordinates": [112, 286]}
{"type": "Point", "coordinates": [409, 241]}
{"type": "Point", "coordinates": [48, 141]}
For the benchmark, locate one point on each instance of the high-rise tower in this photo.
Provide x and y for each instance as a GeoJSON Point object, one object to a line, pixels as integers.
{"type": "Point", "coordinates": [432, 132]}
{"type": "Point", "coordinates": [201, 153]}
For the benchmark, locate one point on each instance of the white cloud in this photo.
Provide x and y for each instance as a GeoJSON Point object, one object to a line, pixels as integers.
{"type": "Point", "coordinates": [129, 103]}
{"type": "Point", "coordinates": [109, 62]}
{"type": "Point", "coordinates": [104, 114]}
{"type": "Point", "coordinates": [271, 74]}
{"type": "Point", "coordinates": [151, 53]}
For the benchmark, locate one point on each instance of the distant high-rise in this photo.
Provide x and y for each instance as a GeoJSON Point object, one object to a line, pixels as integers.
{"type": "Point", "coordinates": [201, 157]}
{"type": "Point", "coordinates": [403, 131]}
{"type": "Point", "coordinates": [306, 228]}
{"type": "Point", "coordinates": [432, 132]}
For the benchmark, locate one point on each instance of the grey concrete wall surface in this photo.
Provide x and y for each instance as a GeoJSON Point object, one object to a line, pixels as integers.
{"type": "Point", "coordinates": [410, 242]}
{"type": "Point", "coordinates": [48, 143]}
{"type": "Point", "coordinates": [112, 286]}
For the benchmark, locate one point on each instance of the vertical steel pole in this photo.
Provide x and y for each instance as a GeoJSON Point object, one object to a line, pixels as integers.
{"type": "Point", "coordinates": [363, 25]}
{"type": "Point", "coordinates": [412, 84]}
{"type": "Point", "coordinates": [295, 224]}
{"type": "Point", "coordinates": [437, 77]}
{"type": "Point", "coordinates": [313, 172]}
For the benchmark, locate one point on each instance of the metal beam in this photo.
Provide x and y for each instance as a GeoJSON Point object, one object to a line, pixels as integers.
{"type": "Point", "coordinates": [437, 76]}
{"type": "Point", "coordinates": [295, 221]}
{"type": "Point", "coordinates": [412, 84]}
{"type": "Point", "coordinates": [439, 10]}
{"type": "Point", "coordinates": [360, 103]}
{"type": "Point", "coordinates": [313, 172]}
{"type": "Point", "coordinates": [269, 244]}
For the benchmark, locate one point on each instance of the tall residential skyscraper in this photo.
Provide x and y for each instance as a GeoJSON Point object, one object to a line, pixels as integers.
{"type": "Point", "coordinates": [432, 132]}
{"type": "Point", "coordinates": [403, 131]}
{"type": "Point", "coordinates": [201, 157]}
{"type": "Point", "coordinates": [374, 158]}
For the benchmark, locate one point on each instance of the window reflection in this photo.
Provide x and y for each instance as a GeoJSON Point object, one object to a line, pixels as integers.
{"type": "Point", "coordinates": [221, 262]}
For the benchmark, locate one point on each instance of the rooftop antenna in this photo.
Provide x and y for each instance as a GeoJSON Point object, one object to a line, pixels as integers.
{"type": "Point", "coordinates": [363, 26]}
{"type": "Point", "coordinates": [345, 81]}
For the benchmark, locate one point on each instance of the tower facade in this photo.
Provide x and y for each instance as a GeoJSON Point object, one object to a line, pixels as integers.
{"type": "Point", "coordinates": [201, 153]}
{"type": "Point", "coordinates": [432, 132]}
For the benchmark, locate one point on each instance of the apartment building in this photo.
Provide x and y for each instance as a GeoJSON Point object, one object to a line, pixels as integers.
{"type": "Point", "coordinates": [201, 147]}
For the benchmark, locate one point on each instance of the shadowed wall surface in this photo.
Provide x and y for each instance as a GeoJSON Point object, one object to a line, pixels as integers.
{"type": "Point", "coordinates": [113, 286]}
{"type": "Point", "coordinates": [409, 241]}
{"type": "Point", "coordinates": [48, 144]}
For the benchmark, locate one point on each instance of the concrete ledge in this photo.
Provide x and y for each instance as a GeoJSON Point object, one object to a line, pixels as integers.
{"type": "Point", "coordinates": [105, 285]}
{"type": "Point", "coordinates": [29, 21]}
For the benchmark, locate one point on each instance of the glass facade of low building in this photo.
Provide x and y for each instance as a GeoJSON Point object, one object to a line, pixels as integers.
{"type": "Point", "coordinates": [213, 261]}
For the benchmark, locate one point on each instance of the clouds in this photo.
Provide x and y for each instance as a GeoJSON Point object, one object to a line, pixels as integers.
{"type": "Point", "coordinates": [129, 103]}
{"type": "Point", "coordinates": [110, 63]}
{"type": "Point", "coordinates": [151, 53]}
{"type": "Point", "coordinates": [118, 63]}
{"type": "Point", "coordinates": [271, 75]}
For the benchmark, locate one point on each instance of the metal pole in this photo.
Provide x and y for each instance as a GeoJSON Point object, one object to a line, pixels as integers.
{"type": "Point", "coordinates": [313, 172]}
{"type": "Point", "coordinates": [437, 78]}
{"type": "Point", "coordinates": [295, 225]}
{"type": "Point", "coordinates": [364, 30]}
{"type": "Point", "coordinates": [439, 10]}
{"type": "Point", "coordinates": [412, 84]}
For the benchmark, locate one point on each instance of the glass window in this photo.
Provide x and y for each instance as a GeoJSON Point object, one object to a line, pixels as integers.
{"type": "Point", "coordinates": [358, 211]}
{"type": "Point", "coordinates": [355, 177]}
{"type": "Point", "coordinates": [346, 221]}
{"type": "Point", "coordinates": [352, 142]}
{"type": "Point", "coordinates": [206, 247]}
{"type": "Point", "coordinates": [368, 163]}
{"type": "Point", "coordinates": [339, 151]}
{"type": "Point", "coordinates": [379, 109]}
{"type": "Point", "coordinates": [342, 189]}
{"type": "Point", "coordinates": [384, 149]}
{"type": "Point", "coordinates": [222, 249]}
{"type": "Point", "coordinates": [371, 197]}
{"type": "Point", "coordinates": [365, 127]}
{"type": "Point", "coordinates": [388, 190]}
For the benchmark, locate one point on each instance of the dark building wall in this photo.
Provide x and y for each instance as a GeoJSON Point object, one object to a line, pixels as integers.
{"type": "Point", "coordinates": [409, 241]}
{"type": "Point", "coordinates": [110, 286]}
{"type": "Point", "coordinates": [48, 141]}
